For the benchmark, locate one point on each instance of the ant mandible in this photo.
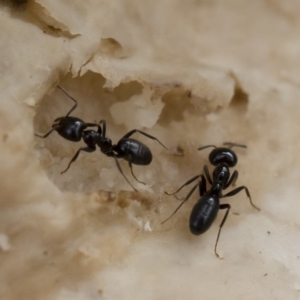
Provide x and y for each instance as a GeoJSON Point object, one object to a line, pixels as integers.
{"type": "Point", "coordinates": [75, 129]}
{"type": "Point", "coordinates": [206, 209]}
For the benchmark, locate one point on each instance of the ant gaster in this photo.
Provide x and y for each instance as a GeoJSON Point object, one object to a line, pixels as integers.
{"type": "Point", "coordinates": [75, 129]}
{"type": "Point", "coordinates": [206, 209]}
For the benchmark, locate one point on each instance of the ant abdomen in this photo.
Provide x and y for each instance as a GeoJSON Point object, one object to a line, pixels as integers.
{"type": "Point", "coordinates": [134, 151]}
{"type": "Point", "coordinates": [203, 214]}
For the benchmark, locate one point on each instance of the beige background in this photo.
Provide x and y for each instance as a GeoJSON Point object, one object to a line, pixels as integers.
{"type": "Point", "coordinates": [189, 72]}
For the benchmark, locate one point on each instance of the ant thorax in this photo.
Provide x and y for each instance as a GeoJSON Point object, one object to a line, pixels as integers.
{"type": "Point", "coordinates": [105, 145]}
{"type": "Point", "coordinates": [221, 174]}
{"type": "Point", "coordinates": [90, 137]}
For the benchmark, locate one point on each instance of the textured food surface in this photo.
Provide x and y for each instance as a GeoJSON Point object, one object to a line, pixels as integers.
{"type": "Point", "coordinates": [191, 73]}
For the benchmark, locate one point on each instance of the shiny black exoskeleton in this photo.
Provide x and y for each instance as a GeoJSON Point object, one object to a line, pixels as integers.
{"type": "Point", "coordinates": [206, 209]}
{"type": "Point", "coordinates": [75, 129]}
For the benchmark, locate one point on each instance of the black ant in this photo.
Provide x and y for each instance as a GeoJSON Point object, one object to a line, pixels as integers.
{"type": "Point", "coordinates": [74, 129]}
{"type": "Point", "coordinates": [206, 209]}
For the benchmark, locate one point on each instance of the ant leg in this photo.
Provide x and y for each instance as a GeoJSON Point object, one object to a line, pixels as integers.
{"type": "Point", "coordinates": [202, 186]}
{"type": "Point", "coordinates": [186, 199]}
{"type": "Point", "coordinates": [95, 125]}
{"type": "Point", "coordinates": [204, 147]}
{"type": "Point", "coordinates": [100, 130]}
{"type": "Point", "coordinates": [66, 93]}
{"type": "Point", "coordinates": [47, 134]}
{"type": "Point", "coordinates": [127, 135]}
{"type": "Point", "coordinates": [206, 172]}
{"type": "Point", "coordinates": [234, 145]}
{"type": "Point", "coordinates": [103, 122]}
{"type": "Point", "coordinates": [222, 206]}
{"type": "Point", "coordinates": [130, 165]}
{"type": "Point", "coordinates": [121, 171]}
{"type": "Point", "coordinates": [232, 179]}
{"type": "Point", "coordinates": [86, 149]}
{"type": "Point", "coordinates": [185, 184]}
{"type": "Point", "coordinates": [237, 190]}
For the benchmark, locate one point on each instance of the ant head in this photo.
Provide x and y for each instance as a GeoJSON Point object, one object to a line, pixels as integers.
{"type": "Point", "coordinates": [66, 121]}
{"type": "Point", "coordinates": [223, 155]}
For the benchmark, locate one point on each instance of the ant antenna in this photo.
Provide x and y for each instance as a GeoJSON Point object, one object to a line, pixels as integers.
{"type": "Point", "coordinates": [66, 93]}
{"type": "Point", "coordinates": [208, 146]}
{"type": "Point", "coordinates": [231, 145]}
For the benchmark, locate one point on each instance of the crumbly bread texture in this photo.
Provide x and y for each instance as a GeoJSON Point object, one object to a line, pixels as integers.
{"type": "Point", "coordinates": [190, 73]}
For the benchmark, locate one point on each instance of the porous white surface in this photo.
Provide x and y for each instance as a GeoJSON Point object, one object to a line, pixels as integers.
{"type": "Point", "coordinates": [190, 73]}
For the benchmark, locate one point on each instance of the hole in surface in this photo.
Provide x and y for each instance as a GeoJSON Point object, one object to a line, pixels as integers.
{"type": "Point", "coordinates": [177, 101]}
{"type": "Point", "coordinates": [91, 171]}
